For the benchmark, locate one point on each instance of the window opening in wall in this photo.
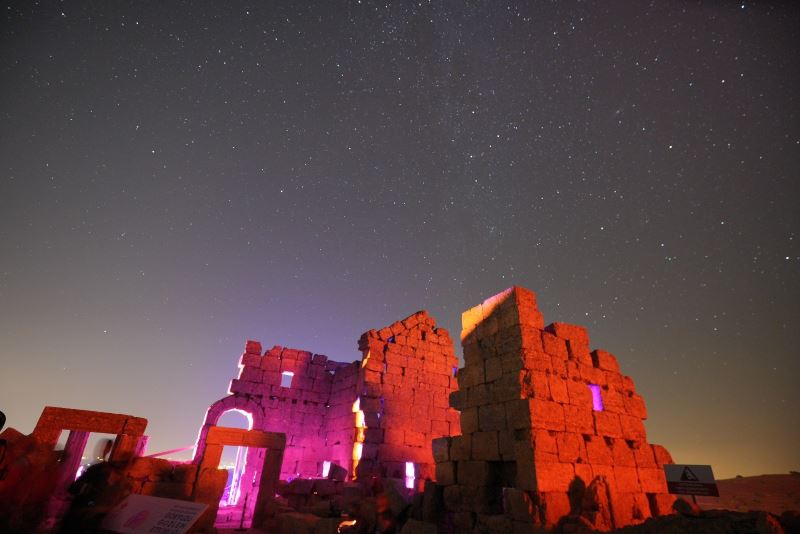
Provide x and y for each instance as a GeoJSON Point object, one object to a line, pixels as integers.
{"type": "Point", "coordinates": [410, 475]}
{"type": "Point", "coordinates": [597, 400]}
{"type": "Point", "coordinates": [326, 468]}
{"type": "Point", "coordinates": [286, 379]}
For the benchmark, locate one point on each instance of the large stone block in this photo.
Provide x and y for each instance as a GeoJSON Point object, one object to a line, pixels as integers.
{"type": "Point", "coordinates": [607, 424]}
{"type": "Point", "coordinates": [485, 446]}
{"type": "Point", "coordinates": [546, 415]}
{"type": "Point", "coordinates": [554, 476]}
{"type": "Point", "coordinates": [461, 447]}
{"type": "Point", "coordinates": [597, 451]}
{"type": "Point", "coordinates": [554, 346]}
{"type": "Point", "coordinates": [491, 417]}
{"type": "Point", "coordinates": [446, 473]}
{"type": "Point", "coordinates": [579, 419]}
{"type": "Point", "coordinates": [571, 447]}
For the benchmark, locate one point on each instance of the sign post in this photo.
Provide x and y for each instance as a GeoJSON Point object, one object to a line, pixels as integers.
{"type": "Point", "coordinates": [691, 480]}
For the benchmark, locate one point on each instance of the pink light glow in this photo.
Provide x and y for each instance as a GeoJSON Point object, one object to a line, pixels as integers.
{"type": "Point", "coordinates": [410, 475]}
{"type": "Point", "coordinates": [597, 400]}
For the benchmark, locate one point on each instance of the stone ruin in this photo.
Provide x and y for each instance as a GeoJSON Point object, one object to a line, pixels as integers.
{"type": "Point", "coordinates": [36, 480]}
{"type": "Point", "coordinates": [543, 433]}
{"type": "Point", "coordinates": [373, 417]}
{"type": "Point", "coordinates": [551, 431]}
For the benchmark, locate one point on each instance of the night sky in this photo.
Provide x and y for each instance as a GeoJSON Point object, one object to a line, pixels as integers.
{"type": "Point", "coordinates": [176, 178]}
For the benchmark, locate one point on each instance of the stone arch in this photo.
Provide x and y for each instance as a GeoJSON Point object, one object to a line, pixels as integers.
{"type": "Point", "coordinates": [215, 411]}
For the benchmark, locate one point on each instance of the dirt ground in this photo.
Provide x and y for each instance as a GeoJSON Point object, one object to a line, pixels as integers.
{"type": "Point", "coordinates": [770, 493]}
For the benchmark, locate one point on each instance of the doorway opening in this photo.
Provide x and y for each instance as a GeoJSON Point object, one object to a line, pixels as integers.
{"type": "Point", "coordinates": [243, 466]}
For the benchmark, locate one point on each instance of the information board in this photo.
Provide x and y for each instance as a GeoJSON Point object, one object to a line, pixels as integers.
{"type": "Point", "coordinates": [140, 514]}
{"type": "Point", "coordinates": [691, 480]}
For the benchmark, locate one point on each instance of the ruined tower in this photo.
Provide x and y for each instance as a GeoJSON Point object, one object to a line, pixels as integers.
{"type": "Point", "coordinates": [549, 428]}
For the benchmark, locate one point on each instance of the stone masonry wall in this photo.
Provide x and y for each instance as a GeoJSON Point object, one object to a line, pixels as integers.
{"type": "Point", "coordinates": [537, 443]}
{"type": "Point", "coordinates": [407, 374]}
{"type": "Point", "coordinates": [369, 417]}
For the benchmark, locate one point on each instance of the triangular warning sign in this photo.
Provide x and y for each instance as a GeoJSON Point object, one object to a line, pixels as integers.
{"type": "Point", "coordinates": [688, 475]}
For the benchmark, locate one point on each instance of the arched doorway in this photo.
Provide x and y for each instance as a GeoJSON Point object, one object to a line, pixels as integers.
{"type": "Point", "coordinates": [243, 464]}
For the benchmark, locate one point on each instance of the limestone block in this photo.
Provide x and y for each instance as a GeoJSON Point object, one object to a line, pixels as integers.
{"type": "Point", "coordinates": [269, 363]}
{"type": "Point", "coordinates": [491, 417]}
{"type": "Point", "coordinates": [652, 480]}
{"type": "Point", "coordinates": [531, 338]}
{"type": "Point", "coordinates": [485, 446]}
{"type": "Point", "coordinates": [469, 420]}
{"type": "Point", "coordinates": [613, 401]}
{"type": "Point", "coordinates": [441, 449]}
{"type": "Point", "coordinates": [440, 428]}
{"type": "Point", "coordinates": [461, 447]}
{"type": "Point", "coordinates": [634, 405]}
{"type": "Point", "coordinates": [251, 374]}
{"type": "Point", "coordinates": [476, 396]}
{"type": "Point", "coordinates": [644, 455]}
{"type": "Point", "coordinates": [579, 393]}
{"type": "Point", "coordinates": [580, 353]}
{"type": "Point", "coordinates": [605, 360]}
{"type": "Point", "coordinates": [554, 346]}
{"type": "Point", "coordinates": [536, 384]}
{"type": "Point", "coordinates": [662, 455]}
{"type": "Point", "coordinates": [571, 448]}
{"type": "Point", "coordinates": [558, 389]}
{"type": "Point", "coordinates": [446, 473]}
{"type": "Point", "coordinates": [570, 332]}
{"type": "Point", "coordinates": [627, 479]}
{"type": "Point", "coordinates": [253, 347]}
{"type": "Point", "coordinates": [493, 369]}
{"type": "Point", "coordinates": [554, 476]}
{"type": "Point", "coordinates": [632, 427]}
{"type": "Point", "coordinates": [537, 360]}
{"type": "Point", "coordinates": [607, 424]}
{"type": "Point", "coordinates": [518, 414]}
{"type": "Point", "coordinates": [250, 359]}
{"type": "Point", "coordinates": [613, 380]}
{"type": "Point", "coordinates": [597, 451]}
{"type": "Point", "coordinates": [559, 366]}
{"type": "Point", "coordinates": [592, 375]}
{"type": "Point", "coordinates": [622, 453]}
{"type": "Point", "coordinates": [546, 415]}
{"type": "Point", "coordinates": [415, 439]}
{"type": "Point", "coordinates": [470, 375]}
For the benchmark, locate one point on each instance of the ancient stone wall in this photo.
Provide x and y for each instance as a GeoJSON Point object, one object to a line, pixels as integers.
{"type": "Point", "coordinates": [407, 374]}
{"type": "Point", "coordinates": [550, 428]}
{"type": "Point", "coordinates": [368, 417]}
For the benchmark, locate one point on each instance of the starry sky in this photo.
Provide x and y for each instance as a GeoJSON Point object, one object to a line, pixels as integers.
{"type": "Point", "coordinates": [178, 177]}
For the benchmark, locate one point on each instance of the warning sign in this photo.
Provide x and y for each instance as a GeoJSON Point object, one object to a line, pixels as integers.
{"type": "Point", "coordinates": [691, 480]}
{"type": "Point", "coordinates": [140, 514]}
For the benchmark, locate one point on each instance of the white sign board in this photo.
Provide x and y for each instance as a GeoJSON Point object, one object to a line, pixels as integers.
{"type": "Point", "coordinates": [691, 480]}
{"type": "Point", "coordinates": [140, 514]}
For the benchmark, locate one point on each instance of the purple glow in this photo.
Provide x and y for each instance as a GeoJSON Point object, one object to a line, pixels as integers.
{"type": "Point", "coordinates": [597, 400]}
{"type": "Point", "coordinates": [410, 475]}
